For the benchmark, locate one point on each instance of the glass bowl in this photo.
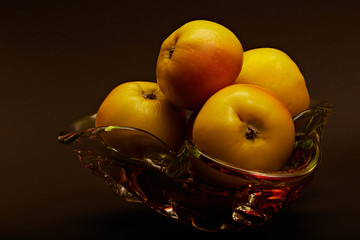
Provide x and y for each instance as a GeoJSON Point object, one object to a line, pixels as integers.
{"type": "Point", "coordinates": [190, 186]}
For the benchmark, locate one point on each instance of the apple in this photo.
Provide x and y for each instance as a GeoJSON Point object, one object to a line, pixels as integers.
{"type": "Point", "coordinates": [142, 105]}
{"type": "Point", "coordinates": [196, 60]}
{"type": "Point", "coordinates": [245, 126]}
{"type": "Point", "coordinates": [275, 71]}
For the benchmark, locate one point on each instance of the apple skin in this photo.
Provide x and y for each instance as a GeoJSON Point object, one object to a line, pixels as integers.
{"type": "Point", "coordinates": [275, 71]}
{"type": "Point", "coordinates": [247, 127]}
{"type": "Point", "coordinates": [142, 105]}
{"type": "Point", "coordinates": [197, 60]}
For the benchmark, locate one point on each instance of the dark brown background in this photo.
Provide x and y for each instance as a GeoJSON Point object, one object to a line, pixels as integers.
{"type": "Point", "coordinates": [59, 59]}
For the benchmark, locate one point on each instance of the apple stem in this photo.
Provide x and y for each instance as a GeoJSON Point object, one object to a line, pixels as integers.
{"type": "Point", "coordinates": [149, 95]}
{"type": "Point", "coordinates": [251, 133]}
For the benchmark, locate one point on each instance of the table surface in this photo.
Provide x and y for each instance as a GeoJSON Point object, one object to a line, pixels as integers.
{"type": "Point", "coordinates": [59, 59]}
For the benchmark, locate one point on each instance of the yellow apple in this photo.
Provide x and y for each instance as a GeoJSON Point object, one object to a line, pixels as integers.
{"type": "Point", "coordinates": [197, 60]}
{"type": "Point", "coordinates": [142, 105]}
{"type": "Point", "coordinates": [275, 71]}
{"type": "Point", "coordinates": [247, 127]}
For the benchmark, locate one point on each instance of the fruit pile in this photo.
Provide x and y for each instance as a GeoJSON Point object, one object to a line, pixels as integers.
{"type": "Point", "coordinates": [242, 103]}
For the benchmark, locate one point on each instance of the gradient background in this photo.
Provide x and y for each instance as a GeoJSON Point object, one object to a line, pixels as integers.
{"type": "Point", "coordinates": [59, 59]}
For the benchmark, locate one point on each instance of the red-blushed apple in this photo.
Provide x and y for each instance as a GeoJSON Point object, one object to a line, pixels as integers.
{"type": "Point", "coordinates": [197, 60]}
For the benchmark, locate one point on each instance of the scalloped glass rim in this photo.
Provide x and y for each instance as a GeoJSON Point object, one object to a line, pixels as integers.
{"type": "Point", "coordinates": [276, 175]}
{"type": "Point", "coordinates": [282, 174]}
{"type": "Point", "coordinates": [190, 186]}
{"type": "Point", "coordinates": [67, 136]}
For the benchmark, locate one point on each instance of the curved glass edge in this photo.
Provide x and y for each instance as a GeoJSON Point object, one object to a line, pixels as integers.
{"type": "Point", "coordinates": [67, 137]}
{"type": "Point", "coordinates": [79, 124]}
{"type": "Point", "coordinates": [136, 147]}
{"type": "Point", "coordinates": [277, 176]}
{"type": "Point", "coordinates": [309, 123]}
{"type": "Point", "coordinates": [312, 121]}
{"type": "Point", "coordinates": [86, 125]}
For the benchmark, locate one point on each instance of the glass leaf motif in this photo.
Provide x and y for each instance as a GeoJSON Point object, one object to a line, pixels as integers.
{"type": "Point", "coordinates": [140, 167]}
